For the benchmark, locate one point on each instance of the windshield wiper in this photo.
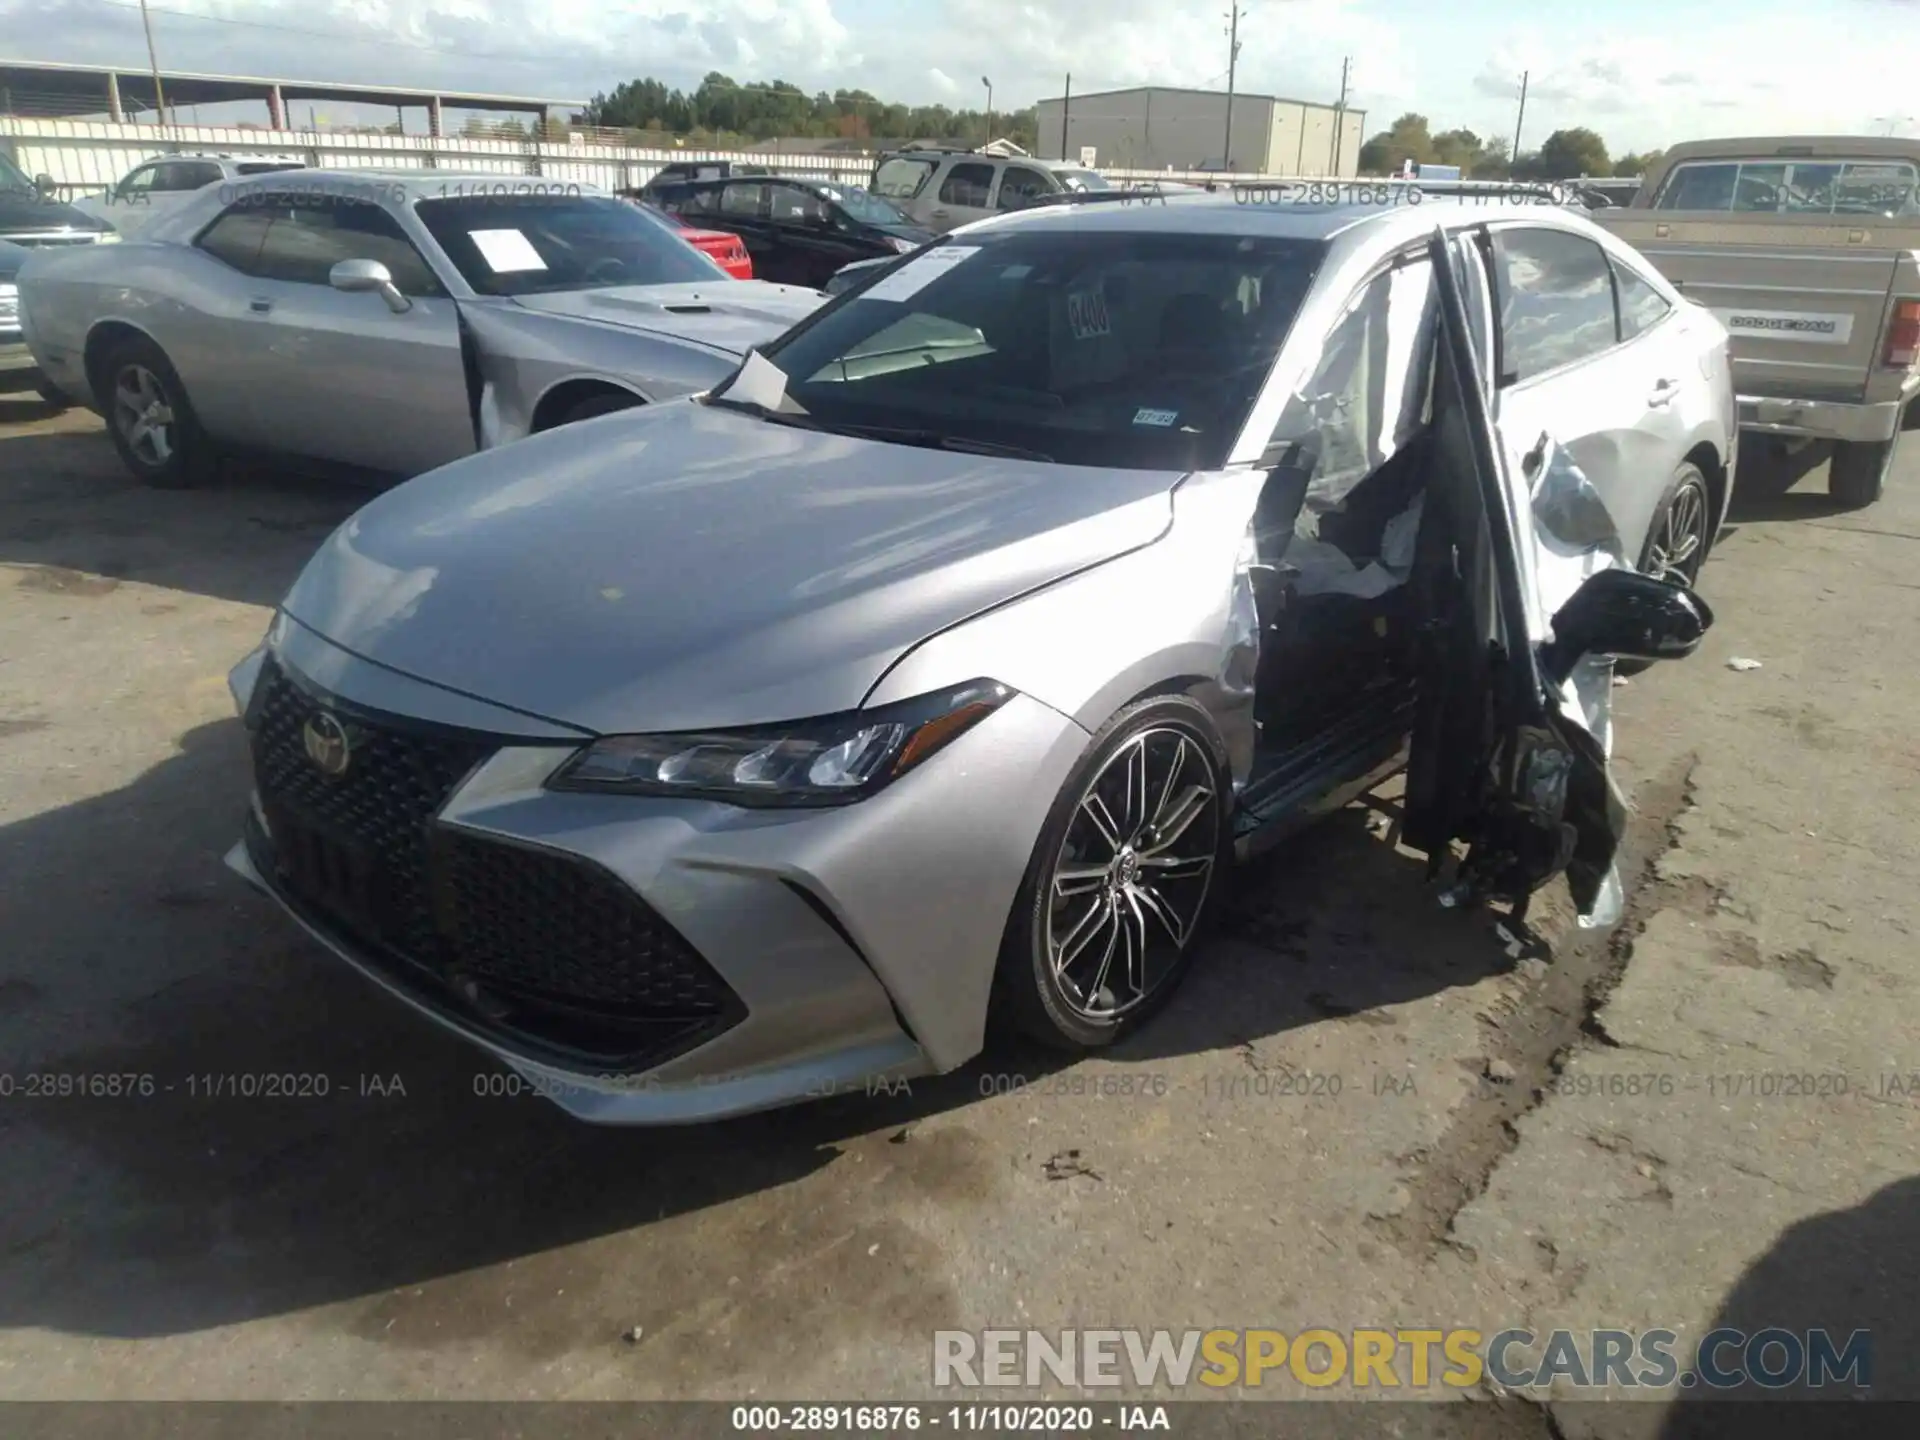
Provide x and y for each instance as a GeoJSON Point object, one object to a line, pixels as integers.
{"type": "Point", "coordinates": [935, 440]}
{"type": "Point", "coordinates": [765, 412]}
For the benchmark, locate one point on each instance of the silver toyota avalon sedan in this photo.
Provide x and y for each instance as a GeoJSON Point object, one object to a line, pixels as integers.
{"type": "Point", "coordinates": [932, 670]}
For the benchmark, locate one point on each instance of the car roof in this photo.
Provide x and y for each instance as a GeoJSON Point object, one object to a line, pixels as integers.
{"type": "Point", "coordinates": [1257, 210]}
{"type": "Point", "coordinates": [418, 184]}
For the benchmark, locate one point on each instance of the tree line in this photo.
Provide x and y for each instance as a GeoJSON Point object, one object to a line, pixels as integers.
{"type": "Point", "coordinates": [721, 110]}
{"type": "Point", "coordinates": [1563, 155]}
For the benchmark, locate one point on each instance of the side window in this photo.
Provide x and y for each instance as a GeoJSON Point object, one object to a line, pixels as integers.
{"type": "Point", "coordinates": [1369, 396]}
{"type": "Point", "coordinates": [183, 175]}
{"type": "Point", "coordinates": [1021, 187]}
{"type": "Point", "coordinates": [310, 234]}
{"type": "Point", "coordinates": [967, 184]}
{"type": "Point", "coordinates": [140, 182]}
{"type": "Point", "coordinates": [1641, 306]}
{"type": "Point", "coordinates": [1554, 295]}
{"type": "Point", "coordinates": [743, 198]}
{"type": "Point", "coordinates": [794, 206]}
{"type": "Point", "coordinates": [236, 236]}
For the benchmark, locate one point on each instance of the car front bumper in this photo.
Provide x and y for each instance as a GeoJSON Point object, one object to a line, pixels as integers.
{"type": "Point", "coordinates": [856, 944]}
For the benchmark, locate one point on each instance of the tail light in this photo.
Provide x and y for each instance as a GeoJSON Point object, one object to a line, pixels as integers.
{"type": "Point", "coordinates": [1903, 336]}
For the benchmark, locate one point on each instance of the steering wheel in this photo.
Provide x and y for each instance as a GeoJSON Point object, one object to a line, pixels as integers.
{"type": "Point", "coordinates": [607, 267]}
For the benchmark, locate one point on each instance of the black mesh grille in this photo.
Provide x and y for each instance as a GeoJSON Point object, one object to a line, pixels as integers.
{"type": "Point", "coordinates": [532, 943]}
{"type": "Point", "coordinates": [375, 818]}
{"type": "Point", "coordinates": [542, 925]}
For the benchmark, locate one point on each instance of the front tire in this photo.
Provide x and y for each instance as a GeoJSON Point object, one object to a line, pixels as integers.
{"type": "Point", "coordinates": [1857, 476]}
{"type": "Point", "coordinates": [1124, 881]}
{"type": "Point", "coordinates": [150, 418]}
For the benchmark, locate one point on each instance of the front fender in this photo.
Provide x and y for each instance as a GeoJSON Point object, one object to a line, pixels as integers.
{"type": "Point", "coordinates": [1175, 614]}
{"type": "Point", "coordinates": [513, 358]}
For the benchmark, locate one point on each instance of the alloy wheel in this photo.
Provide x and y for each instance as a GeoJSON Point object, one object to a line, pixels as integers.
{"type": "Point", "coordinates": [1133, 873]}
{"type": "Point", "coordinates": [143, 414]}
{"type": "Point", "coordinates": [1680, 544]}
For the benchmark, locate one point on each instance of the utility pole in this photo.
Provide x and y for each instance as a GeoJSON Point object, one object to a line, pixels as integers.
{"type": "Point", "coordinates": [159, 95]}
{"type": "Point", "coordinates": [1518, 120]}
{"type": "Point", "coordinates": [1066, 109]}
{"type": "Point", "coordinates": [1233, 58]}
{"type": "Point", "coordinates": [1340, 116]}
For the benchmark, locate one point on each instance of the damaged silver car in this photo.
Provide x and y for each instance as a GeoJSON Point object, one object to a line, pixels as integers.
{"type": "Point", "coordinates": [384, 321]}
{"type": "Point", "coordinates": [938, 665]}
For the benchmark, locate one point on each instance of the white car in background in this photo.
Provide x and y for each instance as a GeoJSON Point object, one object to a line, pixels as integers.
{"type": "Point", "coordinates": [161, 185]}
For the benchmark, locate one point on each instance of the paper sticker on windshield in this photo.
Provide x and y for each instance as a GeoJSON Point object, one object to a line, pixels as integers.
{"type": "Point", "coordinates": [1087, 314]}
{"type": "Point", "coordinates": [918, 273]}
{"type": "Point", "coordinates": [507, 251]}
{"type": "Point", "coordinates": [1161, 418]}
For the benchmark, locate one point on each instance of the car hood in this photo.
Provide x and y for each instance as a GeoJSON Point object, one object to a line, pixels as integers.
{"type": "Point", "coordinates": [26, 211]}
{"type": "Point", "coordinates": [684, 566]}
{"type": "Point", "coordinates": [728, 314]}
{"type": "Point", "coordinates": [918, 234]}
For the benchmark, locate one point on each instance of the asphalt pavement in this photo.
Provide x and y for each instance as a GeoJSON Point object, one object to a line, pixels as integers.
{"type": "Point", "coordinates": [1360, 1111]}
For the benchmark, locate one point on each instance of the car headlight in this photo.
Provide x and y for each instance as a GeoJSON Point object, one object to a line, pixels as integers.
{"type": "Point", "coordinates": [904, 247]}
{"type": "Point", "coordinates": [834, 760]}
{"type": "Point", "coordinates": [109, 237]}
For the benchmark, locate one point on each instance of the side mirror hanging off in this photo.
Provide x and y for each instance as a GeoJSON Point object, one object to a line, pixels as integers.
{"type": "Point", "coordinates": [1629, 616]}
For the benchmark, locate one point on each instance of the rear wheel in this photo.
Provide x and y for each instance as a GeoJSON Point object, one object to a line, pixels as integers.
{"type": "Point", "coordinates": [1677, 541]}
{"type": "Point", "coordinates": [1124, 881]}
{"type": "Point", "coordinates": [150, 418]}
{"type": "Point", "coordinates": [1857, 475]}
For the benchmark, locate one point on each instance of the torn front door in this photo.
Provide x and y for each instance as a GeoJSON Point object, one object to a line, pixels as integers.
{"type": "Point", "coordinates": [1506, 763]}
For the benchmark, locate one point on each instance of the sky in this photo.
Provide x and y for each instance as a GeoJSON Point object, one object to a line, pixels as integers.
{"type": "Point", "coordinates": [1649, 73]}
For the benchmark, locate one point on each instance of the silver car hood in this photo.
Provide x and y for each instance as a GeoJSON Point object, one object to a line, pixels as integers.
{"type": "Point", "coordinates": [730, 315]}
{"type": "Point", "coordinates": [683, 566]}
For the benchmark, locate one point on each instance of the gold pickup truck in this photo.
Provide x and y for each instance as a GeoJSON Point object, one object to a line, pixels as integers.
{"type": "Point", "coordinates": [1807, 248]}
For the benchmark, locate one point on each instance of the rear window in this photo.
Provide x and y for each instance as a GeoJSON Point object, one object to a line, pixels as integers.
{"type": "Point", "coordinates": [1775, 186]}
{"type": "Point", "coordinates": [532, 244]}
{"type": "Point", "coordinates": [901, 179]}
{"type": "Point", "coordinates": [1139, 350]}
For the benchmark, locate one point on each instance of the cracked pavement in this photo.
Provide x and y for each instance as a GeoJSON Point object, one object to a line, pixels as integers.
{"type": "Point", "coordinates": [1357, 1113]}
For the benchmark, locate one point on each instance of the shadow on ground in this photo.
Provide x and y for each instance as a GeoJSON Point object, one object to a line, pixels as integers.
{"type": "Point", "coordinates": [67, 502]}
{"type": "Point", "coordinates": [134, 954]}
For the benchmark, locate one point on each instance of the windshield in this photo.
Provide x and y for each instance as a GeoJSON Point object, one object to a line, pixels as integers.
{"type": "Point", "coordinates": [1082, 180]}
{"type": "Point", "coordinates": [863, 206]}
{"type": "Point", "coordinates": [1140, 350]}
{"type": "Point", "coordinates": [535, 244]}
{"type": "Point", "coordinates": [901, 179]}
{"type": "Point", "coordinates": [12, 177]}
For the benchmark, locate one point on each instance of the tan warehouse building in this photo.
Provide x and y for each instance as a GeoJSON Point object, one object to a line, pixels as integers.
{"type": "Point", "coordinates": [1157, 128]}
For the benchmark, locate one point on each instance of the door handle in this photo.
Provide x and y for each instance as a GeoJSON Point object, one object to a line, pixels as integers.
{"type": "Point", "coordinates": [1663, 392]}
{"type": "Point", "coordinates": [259, 306]}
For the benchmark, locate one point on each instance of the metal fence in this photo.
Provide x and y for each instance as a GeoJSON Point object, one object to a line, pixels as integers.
{"type": "Point", "coordinates": [86, 156]}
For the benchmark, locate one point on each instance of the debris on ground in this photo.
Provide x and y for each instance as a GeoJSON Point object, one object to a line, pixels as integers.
{"type": "Point", "coordinates": [1501, 1072]}
{"type": "Point", "coordinates": [1740, 662]}
{"type": "Point", "coordinates": [632, 1337]}
{"type": "Point", "coordinates": [1065, 1164]}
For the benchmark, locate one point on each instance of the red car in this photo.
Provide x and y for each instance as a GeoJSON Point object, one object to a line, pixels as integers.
{"type": "Point", "coordinates": [729, 252]}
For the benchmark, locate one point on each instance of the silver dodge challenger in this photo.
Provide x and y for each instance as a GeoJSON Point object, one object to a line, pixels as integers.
{"type": "Point", "coordinates": [932, 671]}
{"type": "Point", "coordinates": [384, 321]}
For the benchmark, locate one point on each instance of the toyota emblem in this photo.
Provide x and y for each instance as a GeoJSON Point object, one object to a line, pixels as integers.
{"type": "Point", "coordinates": [327, 744]}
